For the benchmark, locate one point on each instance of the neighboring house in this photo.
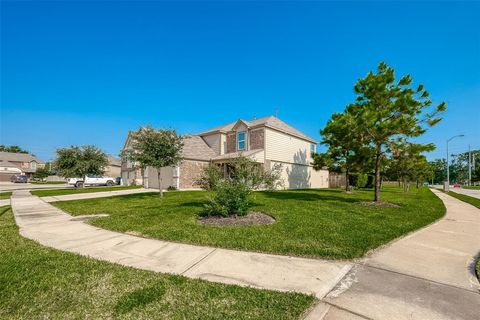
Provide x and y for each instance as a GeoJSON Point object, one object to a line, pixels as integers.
{"type": "Point", "coordinates": [24, 163]}
{"type": "Point", "coordinates": [267, 140]}
{"type": "Point", "coordinates": [114, 167]}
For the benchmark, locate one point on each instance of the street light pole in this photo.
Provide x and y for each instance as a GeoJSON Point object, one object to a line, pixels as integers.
{"type": "Point", "coordinates": [447, 187]}
{"type": "Point", "coordinates": [469, 166]}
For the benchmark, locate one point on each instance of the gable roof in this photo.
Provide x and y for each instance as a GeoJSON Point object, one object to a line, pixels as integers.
{"type": "Point", "coordinates": [7, 164]}
{"type": "Point", "coordinates": [18, 157]}
{"type": "Point", "coordinates": [194, 147]}
{"type": "Point", "coordinates": [270, 121]}
{"type": "Point", "coordinates": [112, 161]}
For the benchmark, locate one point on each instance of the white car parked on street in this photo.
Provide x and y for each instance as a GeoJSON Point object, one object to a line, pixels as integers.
{"type": "Point", "coordinates": [91, 181]}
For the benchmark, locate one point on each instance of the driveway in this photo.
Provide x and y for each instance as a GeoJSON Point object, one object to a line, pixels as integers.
{"type": "Point", "coordinates": [468, 192]}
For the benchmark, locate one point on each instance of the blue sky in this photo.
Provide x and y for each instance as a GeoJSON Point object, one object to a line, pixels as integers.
{"type": "Point", "coordinates": [87, 72]}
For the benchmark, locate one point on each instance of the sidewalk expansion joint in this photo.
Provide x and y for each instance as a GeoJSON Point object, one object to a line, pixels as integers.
{"type": "Point", "coordinates": [199, 261]}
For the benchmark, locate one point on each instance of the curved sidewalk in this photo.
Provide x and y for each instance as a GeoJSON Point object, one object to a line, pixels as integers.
{"type": "Point", "coordinates": [428, 274]}
{"type": "Point", "coordinates": [52, 227]}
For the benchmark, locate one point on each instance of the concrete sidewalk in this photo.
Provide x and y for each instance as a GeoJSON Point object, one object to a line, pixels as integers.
{"type": "Point", "coordinates": [91, 195]}
{"type": "Point", "coordinates": [428, 274]}
{"type": "Point", "coordinates": [50, 226]}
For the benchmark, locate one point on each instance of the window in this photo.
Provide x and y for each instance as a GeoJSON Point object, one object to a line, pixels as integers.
{"type": "Point", "coordinates": [241, 140]}
{"type": "Point", "coordinates": [33, 165]}
{"type": "Point", "coordinates": [312, 148]}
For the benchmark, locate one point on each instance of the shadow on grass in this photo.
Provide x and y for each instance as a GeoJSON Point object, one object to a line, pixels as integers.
{"type": "Point", "coordinates": [3, 210]}
{"type": "Point", "coordinates": [139, 298]}
{"type": "Point", "coordinates": [308, 196]}
{"type": "Point", "coordinates": [140, 196]}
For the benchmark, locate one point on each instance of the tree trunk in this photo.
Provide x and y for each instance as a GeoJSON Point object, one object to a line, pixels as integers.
{"type": "Point", "coordinates": [159, 175]}
{"type": "Point", "coordinates": [405, 185]}
{"type": "Point", "coordinates": [417, 184]}
{"type": "Point", "coordinates": [378, 158]}
{"type": "Point", "coordinates": [142, 172]}
{"type": "Point", "coordinates": [346, 179]}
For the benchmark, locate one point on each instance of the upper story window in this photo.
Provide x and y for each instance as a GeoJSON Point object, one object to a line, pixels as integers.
{"type": "Point", "coordinates": [241, 140]}
{"type": "Point", "coordinates": [33, 165]}
{"type": "Point", "coordinates": [312, 148]}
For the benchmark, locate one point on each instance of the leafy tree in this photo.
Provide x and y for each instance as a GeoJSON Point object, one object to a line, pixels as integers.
{"type": "Point", "coordinates": [155, 148]}
{"type": "Point", "coordinates": [408, 163]}
{"type": "Point", "coordinates": [253, 174]}
{"type": "Point", "coordinates": [324, 160]}
{"type": "Point", "coordinates": [14, 149]}
{"type": "Point", "coordinates": [343, 141]}
{"type": "Point", "coordinates": [42, 173]}
{"type": "Point", "coordinates": [459, 167]}
{"type": "Point", "coordinates": [233, 191]}
{"type": "Point", "coordinates": [439, 168]}
{"type": "Point", "coordinates": [210, 177]}
{"type": "Point", "coordinates": [386, 109]}
{"type": "Point", "coordinates": [80, 161]}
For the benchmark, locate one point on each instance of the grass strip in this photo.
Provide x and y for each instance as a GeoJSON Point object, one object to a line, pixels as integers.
{"type": "Point", "coordinates": [322, 223]}
{"type": "Point", "coordinates": [61, 192]}
{"type": "Point", "coordinates": [37, 282]}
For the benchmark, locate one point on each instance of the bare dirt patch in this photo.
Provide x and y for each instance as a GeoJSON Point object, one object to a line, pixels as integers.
{"type": "Point", "coordinates": [378, 204]}
{"type": "Point", "coordinates": [253, 218]}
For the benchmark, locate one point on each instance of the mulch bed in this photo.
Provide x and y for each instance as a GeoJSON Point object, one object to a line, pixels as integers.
{"type": "Point", "coordinates": [253, 218]}
{"type": "Point", "coordinates": [378, 204]}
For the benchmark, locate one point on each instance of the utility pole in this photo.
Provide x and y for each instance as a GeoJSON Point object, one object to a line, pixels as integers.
{"type": "Point", "coordinates": [469, 166]}
{"type": "Point", "coordinates": [447, 186]}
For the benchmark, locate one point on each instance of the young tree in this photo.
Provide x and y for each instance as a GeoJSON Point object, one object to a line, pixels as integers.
{"type": "Point", "coordinates": [459, 167]}
{"type": "Point", "coordinates": [155, 148]}
{"type": "Point", "coordinates": [80, 161]}
{"type": "Point", "coordinates": [407, 162]}
{"type": "Point", "coordinates": [343, 141]}
{"type": "Point", "coordinates": [439, 167]}
{"type": "Point", "coordinates": [210, 177]}
{"type": "Point", "coordinates": [386, 109]}
{"type": "Point", "coordinates": [41, 173]}
{"type": "Point", "coordinates": [233, 192]}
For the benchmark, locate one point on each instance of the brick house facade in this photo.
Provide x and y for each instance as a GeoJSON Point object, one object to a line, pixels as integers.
{"type": "Point", "coordinates": [268, 141]}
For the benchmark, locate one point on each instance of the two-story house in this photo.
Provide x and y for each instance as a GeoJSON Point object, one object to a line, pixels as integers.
{"type": "Point", "coordinates": [18, 163]}
{"type": "Point", "coordinates": [267, 141]}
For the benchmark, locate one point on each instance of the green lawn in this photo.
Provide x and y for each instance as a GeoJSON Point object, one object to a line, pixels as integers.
{"type": "Point", "coordinates": [37, 282]}
{"type": "Point", "coordinates": [5, 195]}
{"type": "Point", "coordinates": [472, 187]}
{"type": "Point", "coordinates": [314, 223]}
{"type": "Point", "coordinates": [59, 192]}
{"type": "Point", "coordinates": [471, 200]}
